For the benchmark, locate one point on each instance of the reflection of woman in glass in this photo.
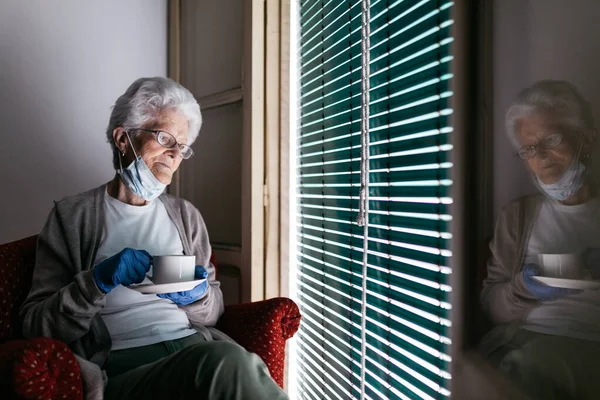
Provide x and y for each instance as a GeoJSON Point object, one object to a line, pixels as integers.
{"type": "Point", "coordinates": [547, 338]}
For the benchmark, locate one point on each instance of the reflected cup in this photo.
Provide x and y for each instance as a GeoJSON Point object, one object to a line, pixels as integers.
{"type": "Point", "coordinates": [566, 266]}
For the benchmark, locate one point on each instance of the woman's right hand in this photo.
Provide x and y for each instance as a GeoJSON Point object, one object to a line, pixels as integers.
{"type": "Point", "coordinates": [541, 291]}
{"type": "Point", "coordinates": [127, 267]}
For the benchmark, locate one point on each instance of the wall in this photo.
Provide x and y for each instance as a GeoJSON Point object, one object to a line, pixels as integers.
{"type": "Point", "coordinates": [533, 40]}
{"type": "Point", "coordinates": [62, 66]}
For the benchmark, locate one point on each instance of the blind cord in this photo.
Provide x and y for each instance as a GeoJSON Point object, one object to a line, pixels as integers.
{"type": "Point", "coordinates": [363, 212]}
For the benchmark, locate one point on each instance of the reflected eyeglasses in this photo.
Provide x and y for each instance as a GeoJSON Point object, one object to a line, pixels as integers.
{"type": "Point", "coordinates": [549, 142]}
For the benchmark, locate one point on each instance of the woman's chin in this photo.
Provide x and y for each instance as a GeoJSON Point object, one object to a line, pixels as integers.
{"type": "Point", "coordinates": [164, 178]}
{"type": "Point", "coordinates": [548, 180]}
{"type": "Point", "coordinates": [163, 174]}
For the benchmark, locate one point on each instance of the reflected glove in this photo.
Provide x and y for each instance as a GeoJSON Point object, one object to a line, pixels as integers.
{"type": "Point", "coordinates": [541, 291]}
{"type": "Point", "coordinates": [124, 268]}
{"type": "Point", "coordinates": [189, 296]}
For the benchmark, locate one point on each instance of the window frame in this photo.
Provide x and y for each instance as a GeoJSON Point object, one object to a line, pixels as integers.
{"type": "Point", "coordinates": [472, 375]}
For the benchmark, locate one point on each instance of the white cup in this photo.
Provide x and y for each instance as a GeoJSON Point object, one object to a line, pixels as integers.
{"type": "Point", "coordinates": [567, 266]}
{"type": "Point", "coordinates": [172, 269]}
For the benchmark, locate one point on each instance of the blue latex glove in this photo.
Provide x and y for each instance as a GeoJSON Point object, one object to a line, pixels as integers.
{"type": "Point", "coordinates": [189, 296]}
{"type": "Point", "coordinates": [127, 267]}
{"type": "Point", "coordinates": [541, 291]}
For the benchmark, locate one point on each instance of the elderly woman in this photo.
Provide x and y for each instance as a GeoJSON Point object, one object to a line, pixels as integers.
{"type": "Point", "coordinates": [96, 244]}
{"type": "Point", "coordinates": [547, 338]}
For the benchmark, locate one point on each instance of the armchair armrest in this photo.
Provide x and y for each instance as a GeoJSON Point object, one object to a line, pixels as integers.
{"type": "Point", "coordinates": [39, 368]}
{"type": "Point", "coordinates": [263, 327]}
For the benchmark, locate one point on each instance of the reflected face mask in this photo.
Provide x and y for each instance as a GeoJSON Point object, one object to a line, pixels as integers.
{"type": "Point", "coordinates": [139, 179]}
{"type": "Point", "coordinates": [569, 182]}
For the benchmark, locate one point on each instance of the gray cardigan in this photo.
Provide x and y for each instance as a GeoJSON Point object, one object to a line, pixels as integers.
{"type": "Point", "coordinates": [504, 297]}
{"type": "Point", "coordinates": [64, 302]}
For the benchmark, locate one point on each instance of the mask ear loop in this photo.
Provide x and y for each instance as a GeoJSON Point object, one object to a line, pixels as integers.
{"type": "Point", "coordinates": [582, 159]}
{"type": "Point", "coordinates": [131, 144]}
{"type": "Point", "coordinates": [132, 148]}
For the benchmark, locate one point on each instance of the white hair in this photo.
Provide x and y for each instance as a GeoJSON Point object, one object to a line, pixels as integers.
{"type": "Point", "coordinates": [144, 101]}
{"type": "Point", "coordinates": [558, 98]}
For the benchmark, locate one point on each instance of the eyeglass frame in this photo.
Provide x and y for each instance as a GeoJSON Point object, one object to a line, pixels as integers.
{"type": "Point", "coordinates": [539, 145]}
{"type": "Point", "coordinates": [176, 143]}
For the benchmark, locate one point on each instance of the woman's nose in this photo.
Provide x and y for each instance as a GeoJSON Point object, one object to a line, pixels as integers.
{"type": "Point", "coordinates": [542, 154]}
{"type": "Point", "coordinates": [174, 152]}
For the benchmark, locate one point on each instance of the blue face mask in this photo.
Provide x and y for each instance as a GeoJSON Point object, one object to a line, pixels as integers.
{"type": "Point", "coordinates": [139, 179]}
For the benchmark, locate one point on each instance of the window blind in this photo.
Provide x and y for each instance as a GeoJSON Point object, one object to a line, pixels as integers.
{"type": "Point", "coordinates": [407, 307]}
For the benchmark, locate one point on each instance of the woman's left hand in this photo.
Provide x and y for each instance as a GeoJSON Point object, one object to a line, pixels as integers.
{"type": "Point", "coordinates": [189, 296]}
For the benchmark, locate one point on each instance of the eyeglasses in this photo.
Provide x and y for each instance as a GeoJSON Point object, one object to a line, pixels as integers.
{"type": "Point", "coordinates": [165, 139]}
{"type": "Point", "coordinates": [549, 142]}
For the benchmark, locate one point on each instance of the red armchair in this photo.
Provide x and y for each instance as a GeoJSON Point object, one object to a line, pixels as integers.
{"type": "Point", "coordinates": [45, 368]}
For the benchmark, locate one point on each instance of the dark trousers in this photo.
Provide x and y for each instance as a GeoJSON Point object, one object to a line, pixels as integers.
{"type": "Point", "coordinates": [189, 368]}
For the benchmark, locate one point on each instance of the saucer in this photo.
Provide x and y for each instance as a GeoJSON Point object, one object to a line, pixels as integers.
{"type": "Point", "coordinates": [568, 283]}
{"type": "Point", "coordinates": [151, 288]}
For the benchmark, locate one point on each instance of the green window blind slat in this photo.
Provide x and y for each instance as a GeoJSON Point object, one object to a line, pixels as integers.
{"type": "Point", "coordinates": [386, 380]}
{"type": "Point", "coordinates": [383, 104]}
{"type": "Point", "coordinates": [378, 339]}
{"type": "Point", "coordinates": [423, 285]}
{"type": "Point", "coordinates": [412, 73]}
{"type": "Point", "coordinates": [321, 16]}
{"type": "Point", "coordinates": [333, 165]}
{"type": "Point", "coordinates": [340, 41]}
{"type": "Point", "coordinates": [332, 374]}
{"type": "Point", "coordinates": [417, 175]}
{"type": "Point", "coordinates": [429, 325]}
{"type": "Point", "coordinates": [347, 84]}
{"type": "Point", "coordinates": [406, 193]}
{"type": "Point", "coordinates": [407, 307]}
{"type": "Point", "coordinates": [348, 284]}
{"type": "Point", "coordinates": [400, 47]}
{"type": "Point", "coordinates": [398, 249]}
{"type": "Point", "coordinates": [379, 231]}
{"type": "Point", "coordinates": [349, 150]}
{"type": "Point", "coordinates": [315, 383]}
{"type": "Point", "coordinates": [403, 220]}
{"type": "Point", "coordinates": [339, 253]}
{"type": "Point", "coordinates": [411, 209]}
{"type": "Point", "coordinates": [397, 287]}
{"type": "Point", "coordinates": [320, 75]}
{"type": "Point", "coordinates": [321, 327]}
{"type": "Point", "coordinates": [382, 99]}
{"type": "Point", "coordinates": [411, 127]}
{"type": "Point", "coordinates": [345, 30]}
{"type": "Point", "coordinates": [384, 342]}
{"type": "Point", "coordinates": [346, 317]}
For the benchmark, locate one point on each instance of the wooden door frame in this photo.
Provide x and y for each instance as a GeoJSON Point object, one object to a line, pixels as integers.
{"type": "Point", "coordinates": [265, 141]}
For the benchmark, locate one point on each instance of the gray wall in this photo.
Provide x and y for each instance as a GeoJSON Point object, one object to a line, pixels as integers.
{"type": "Point", "coordinates": [533, 40]}
{"type": "Point", "coordinates": [62, 66]}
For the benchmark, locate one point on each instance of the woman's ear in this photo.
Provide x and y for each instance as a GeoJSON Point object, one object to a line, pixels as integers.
{"type": "Point", "coordinates": [120, 139]}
